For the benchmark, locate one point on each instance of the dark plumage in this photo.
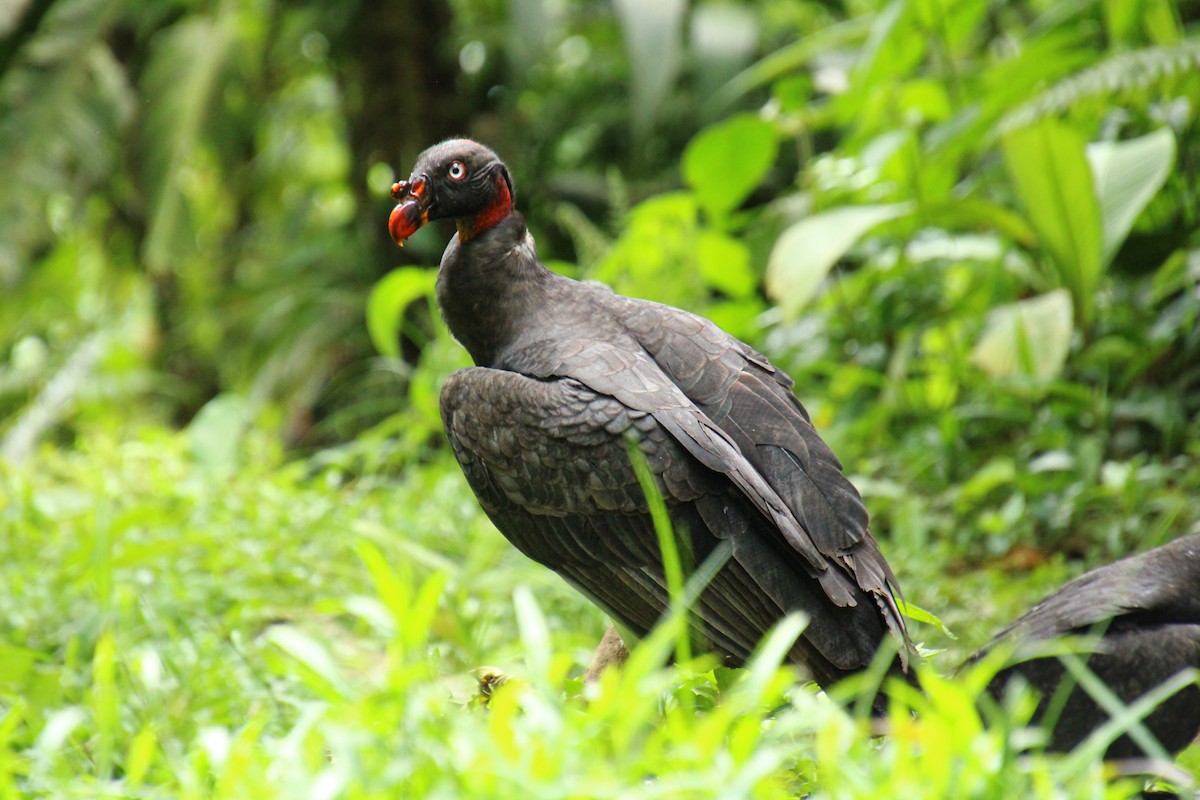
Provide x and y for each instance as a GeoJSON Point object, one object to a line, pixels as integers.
{"type": "Point", "coordinates": [568, 372]}
{"type": "Point", "coordinates": [1146, 611]}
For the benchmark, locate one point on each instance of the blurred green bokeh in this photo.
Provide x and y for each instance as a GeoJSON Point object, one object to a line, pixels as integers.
{"type": "Point", "coordinates": [968, 230]}
{"type": "Point", "coordinates": [199, 189]}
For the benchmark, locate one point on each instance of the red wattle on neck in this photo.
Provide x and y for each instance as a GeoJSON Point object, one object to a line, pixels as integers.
{"type": "Point", "coordinates": [499, 208]}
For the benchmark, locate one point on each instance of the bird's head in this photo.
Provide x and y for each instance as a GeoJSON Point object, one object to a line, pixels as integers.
{"type": "Point", "coordinates": [457, 179]}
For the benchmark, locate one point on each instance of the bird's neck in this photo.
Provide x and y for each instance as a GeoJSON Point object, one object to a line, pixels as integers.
{"type": "Point", "coordinates": [499, 209]}
{"type": "Point", "coordinates": [490, 287]}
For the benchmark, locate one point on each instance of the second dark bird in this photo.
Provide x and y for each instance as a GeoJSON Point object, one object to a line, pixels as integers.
{"type": "Point", "coordinates": [1143, 613]}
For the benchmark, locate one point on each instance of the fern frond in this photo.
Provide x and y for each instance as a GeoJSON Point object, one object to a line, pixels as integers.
{"type": "Point", "coordinates": [1126, 75]}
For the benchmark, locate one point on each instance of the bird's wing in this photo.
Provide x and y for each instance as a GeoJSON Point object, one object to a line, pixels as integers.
{"type": "Point", "coordinates": [1162, 585]}
{"type": "Point", "coordinates": [620, 369]}
{"type": "Point", "coordinates": [747, 396]}
{"type": "Point", "coordinates": [752, 402]}
{"type": "Point", "coordinates": [549, 463]}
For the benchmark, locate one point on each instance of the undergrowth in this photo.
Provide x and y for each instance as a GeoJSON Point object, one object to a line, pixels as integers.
{"type": "Point", "coordinates": [171, 629]}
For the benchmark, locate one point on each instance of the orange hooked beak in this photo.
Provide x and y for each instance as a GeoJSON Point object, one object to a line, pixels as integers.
{"type": "Point", "coordinates": [412, 210]}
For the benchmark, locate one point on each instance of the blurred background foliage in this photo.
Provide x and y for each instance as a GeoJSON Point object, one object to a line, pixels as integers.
{"type": "Point", "coordinates": [968, 229]}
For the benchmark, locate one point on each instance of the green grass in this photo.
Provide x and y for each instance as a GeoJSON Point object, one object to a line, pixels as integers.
{"type": "Point", "coordinates": [172, 630]}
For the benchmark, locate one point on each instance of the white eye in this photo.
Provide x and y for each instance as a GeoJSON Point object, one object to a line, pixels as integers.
{"type": "Point", "coordinates": [457, 171]}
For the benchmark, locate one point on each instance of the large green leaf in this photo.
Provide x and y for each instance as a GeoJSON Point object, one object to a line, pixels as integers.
{"type": "Point", "coordinates": [805, 252]}
{"type": "Point", "coordinates": [1054, 184]}
{"type": "Point", "coordinates": [1030, 337]}
{"type": "Point", "coordinates": [724, 263]}
{"type": "Point", "coordinates": [724, 162]}
{"type": "Point", "coordinates": [216, 432]}
{"type": "Point", "coordinates": [387, 301]}
{"type": "Point", "coordinates": [1128, 175]}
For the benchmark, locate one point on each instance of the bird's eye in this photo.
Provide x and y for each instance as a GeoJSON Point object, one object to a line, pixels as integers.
{"type": "Point", "coordinates": [457, 171]}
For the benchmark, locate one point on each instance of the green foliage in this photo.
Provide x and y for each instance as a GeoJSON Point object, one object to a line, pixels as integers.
{"type": "Point", "coordinates": [185, 189]}
{"type": "Point", "coordinates": [390, 299]}
{"type": "Point", "coordinates": [1128, 175]}
{"type": "Point", "coordinates": [967, 230]}
{"type": "Point", "coordinates": [806, 252]}
{"type": "Point", "coordinates": [1083, 209]}
{"type": "Point", "coordinates": [1053, 181]}
{"type": "Point", "coordinates": [175, 125]}
{"type": "Point", "coordinates": [725, 162]}
{"type": "Point", "coordinates": [654, 37]}
{"type": "Point", "coordinates": [173, 632]}
{"type": "Point", "coordinates": [1029, 338]}
{"type": "Point", "coordinates": [664, 238]}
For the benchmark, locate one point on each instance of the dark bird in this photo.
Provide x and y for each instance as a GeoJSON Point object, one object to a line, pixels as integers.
{"type": "Point", "coordinates": [1145, 611]}
{"type": "Point", "coordinates": [569, 373]}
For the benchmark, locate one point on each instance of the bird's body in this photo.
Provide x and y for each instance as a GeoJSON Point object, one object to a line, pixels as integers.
{"type": "Point", "coordinates": [1145, 611]}
{"type": "Point", "coordinates": [569, 374]}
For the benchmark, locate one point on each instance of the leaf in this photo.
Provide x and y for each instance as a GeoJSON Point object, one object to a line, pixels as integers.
{"type": "Point", "coordinates": [535, 634]}
{"type": "Point", "coordinates": [724, 263]}
{"type": "Point", "coordinates": [925, 617]}
{"type": "Point", "coordinates": [1160, 22]}
{"type": "Point", "coordinates": [215, 433]}
{"type": "Point", "coordinates": [1120, 18]}
{"type": "Point", "coordinates": [1127, 176]}
{"type": "Point", "coordinates": [997, 472]}
{"type": "Point", "coordinates": [1030, 337]}
{"type": "Point", "coordinates": [805, 252]}
{"type": "Point", "coordinates": [655, 256]}
{"type": "Point", "coordinates": [140, 755]}
{"type": "Point", "coordinates": [181, 79]}
{"type": "Point", "coordinates": [105, 704]}
{"type": "Point", "coordinates": [401, 608]}
{"type": "Point", "coordinates": [17, 663]}
{"type": "Point", "coordinates": [771, 654]}
{"type": "Point", "coordinates": [725, 162]}
{"type": "Point", "coordinates": [1054, 184]}
{"type": "Point", "coordinates": [322, 673]}
{"type": "Point", "coordinates": [789, 60]}
{"type": "Point", "coordinates": [654, 38]}
{"type": "Point", "coordinates": [676, 561]}
{"type": "Point", "coordinates": [388, 300]}
{"type": "Point", "coordinates": [1122, 719]}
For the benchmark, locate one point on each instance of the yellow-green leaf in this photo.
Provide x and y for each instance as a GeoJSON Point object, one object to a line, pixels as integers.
{"type": "Point", "coordinates": [726, 161]}
{"type": "Point", "coordinates": [805, 252]}
{"type": "Point", "coordinates": [388, 299]}
{"type": "Point", "coordinates": [1127, 176]}
{"type": "Point", "coordinates": [1054, 184]}
{"type": "Point", "coordinates": [1030, 337]}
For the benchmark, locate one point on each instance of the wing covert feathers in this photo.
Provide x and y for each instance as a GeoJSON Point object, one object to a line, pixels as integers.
{"type": "Point", "coordinates": [548, 460]}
